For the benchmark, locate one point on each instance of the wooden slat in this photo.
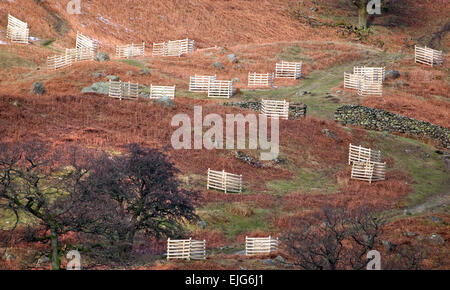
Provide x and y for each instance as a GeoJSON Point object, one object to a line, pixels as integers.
{"type": "Point", "coordinates": [220, 89]}
{"type": "Point", "coordinates": [273, 108]}
{"type": "Point", "coordinates": [173, 47]}
{"type": "Point", "coordinates": [17, 31]}
{"type": "Point", "coordinates": [201, 83]}
{"type": "Point", "coordinates": [224, 181]}
{"type": "Point", "coordinates": [260, 79]}
{"type": "Point", "coordinates": [157, 92]}
{"type": "Point", "coordinates": [289, 70]}
{"type": "Point", "coordinates": [260, 246]}
{"type": "Point", "coordinates": [130, 50]}
{"type": "Point", "coordinates": [428, 56]}
{"type": "Point", "coordinates": [186, 249]}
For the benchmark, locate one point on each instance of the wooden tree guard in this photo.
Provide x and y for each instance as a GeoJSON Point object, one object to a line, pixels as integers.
{"type": "Point", "coordinates": [201, 83]}
{"type": "Point", "coordinates": [260, 79]}
{"type": "Point", "coordinates": [260, 246]}
{"type": "Point", "coordinates": [428, 56]}
{"type": "Point", "coordinates": [361, 154]}
{"type": "Point", "coordinates": [288, 70]}
{"type": "Point", "coordinates": [17, 31]}
{"type": "Point", "coordinates": [130, 50]}
{"type": "Point", "coordinates": [123, 90]}
{"type": "Point", "coordinates": [220, 89]}
{"type": "Point", "coordinates": [173, 48]}
{"type": "Point", "coordinates": [86, 42]}
{"type": "Point", "coordinates": [186, 249]}
{"type": "Point", "coordinates": [157, 92]}
{"type": "Point", "coordinates": [224, 181]}
{"type": "Point", "coordinates": [272, 108]}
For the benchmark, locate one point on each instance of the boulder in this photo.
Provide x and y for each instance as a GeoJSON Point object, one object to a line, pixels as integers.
{"type": "Point", "coordinates": [101, 56]}
{"type": "Point", "coordinates": [165, 102]}
{"type": "Point", "coordinates": [280, 259]}
{"type": "Point", "coordinates": [330, 134]}
{"type": "Point", "coordinates": [269, 262]}
{"type": "Point", "coordinates": [37, 88]}
{"type": "Point", "coordinates": [202, 224]}
{"type": "Point", "coordinates": [232, 57]}
{"type": "Point", "coordinates": [113, 78]}
{"type": "Point", "coordinates": [98, 88]}
{"type": "Point", "coordinates": [218, 65]}
{"type": "Point", "coordinates": [97, 74]}
{"type": "Point", "coordinates": [145, 71]}
{"type": "Point", "coordinates": [389, 246]}
{"type": "Point", "coordinates": [392, 74]}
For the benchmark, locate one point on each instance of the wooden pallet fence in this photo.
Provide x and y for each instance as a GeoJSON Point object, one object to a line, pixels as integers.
{"type": "Point", "coordinates": [288, 70]}
{"type": "Point", "coordinates": [272, 108]}
{"type": "Point", "coordinates": [173, 47]}
{"type": "Point", "coordinates": [370, 88]}
{"type": "Point", "coordinates": [224, 181]}
{"type": "Point", "coordinates": [200, 83]}
{"type": "Point", "coordinates": [123, 90]}
{"type": "Point", "coordinates": [352, 81]}
{"type": "Point", "coordinates": [361, 154]}
{"type": "Point", "coordinates": [260, 79]}
{"type": "Point", "coordinates": [157, 92]}
{"type": "Point", "coordinates": [130, 50]}
{"type": "Point", "coordinates": [186, 249]}
{"type": "Point", "coordinates": [260, 246]}
{"type": "Point", "coordinates": [80, 54]}
{"type": "Point", "coordinates": [369, 171]}
{"type": "Point", "coordinates": [86, 42]}
{"type": "Point", "coordinates": [220, 89]}
{"type": "Point", "coordinates": [365, 86]}
{"type": "Point", "coordinates": [428, 56]}
{"type": "Point", "coordinates": [17, 31]}
{"type": "Point", "coordinates": [374, 74]}
{"type": "Point", "coordinates": [58, 62]}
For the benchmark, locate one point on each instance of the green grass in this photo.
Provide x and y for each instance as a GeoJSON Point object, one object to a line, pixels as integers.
{"type": "Point", "coordinates": [294, 54]}
{"type": "Point", "coordinates": [9, 60]}
{"type": "Point", "coordinates": [305, 180]}
{"type": "Point", "coordinates": [420, 160]}
{"type": "Point", "coordinates": [133, 62]}
{"type": "Point", "coordinates": [218, 218]}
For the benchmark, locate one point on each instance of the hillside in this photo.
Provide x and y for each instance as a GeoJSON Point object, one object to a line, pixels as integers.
{"type": "Point", "coordinates": [312, 171]}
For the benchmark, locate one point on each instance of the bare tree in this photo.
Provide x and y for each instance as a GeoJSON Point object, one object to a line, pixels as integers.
{"type": "Point", "coordinates": [333, 239]}
{"type": "Point", "coordinates": [45, 183]}
{"type": "Point", "coordinates": [143, 194]}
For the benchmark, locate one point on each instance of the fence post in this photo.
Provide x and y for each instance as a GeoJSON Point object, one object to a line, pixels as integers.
{"type": "Point", "coordinates": [246, 246]}
{"type": "Point", "coordinates": [224, 180]}
{"type": "Point", "coordinates": [190, 245]}
{"type": "Point", "coordinates": [207, 180]}
{"type": "Point", "coordinates": [168, 243]}
{"type": "Point", "coordinates": [240, 184]}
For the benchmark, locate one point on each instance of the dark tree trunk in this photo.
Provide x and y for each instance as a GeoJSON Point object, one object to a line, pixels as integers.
{"type": "Point", "coordinates": [56, 262]}
{"type": "Point", "coordinates": [362, 15]}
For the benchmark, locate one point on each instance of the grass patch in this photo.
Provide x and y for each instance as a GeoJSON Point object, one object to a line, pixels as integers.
{"type": "Point", "coordinates": [425, 166]}
{"type": "Point", "coordinates": [9, 60]}
{"type": "Point", "coordinates": [233, 223]}
{"type": "Point", "coordinates": [133, 62]}
{"type": "Point", "coordinates": [294, 54]}
{"type": "Point", "coordinates": [305, 180]}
